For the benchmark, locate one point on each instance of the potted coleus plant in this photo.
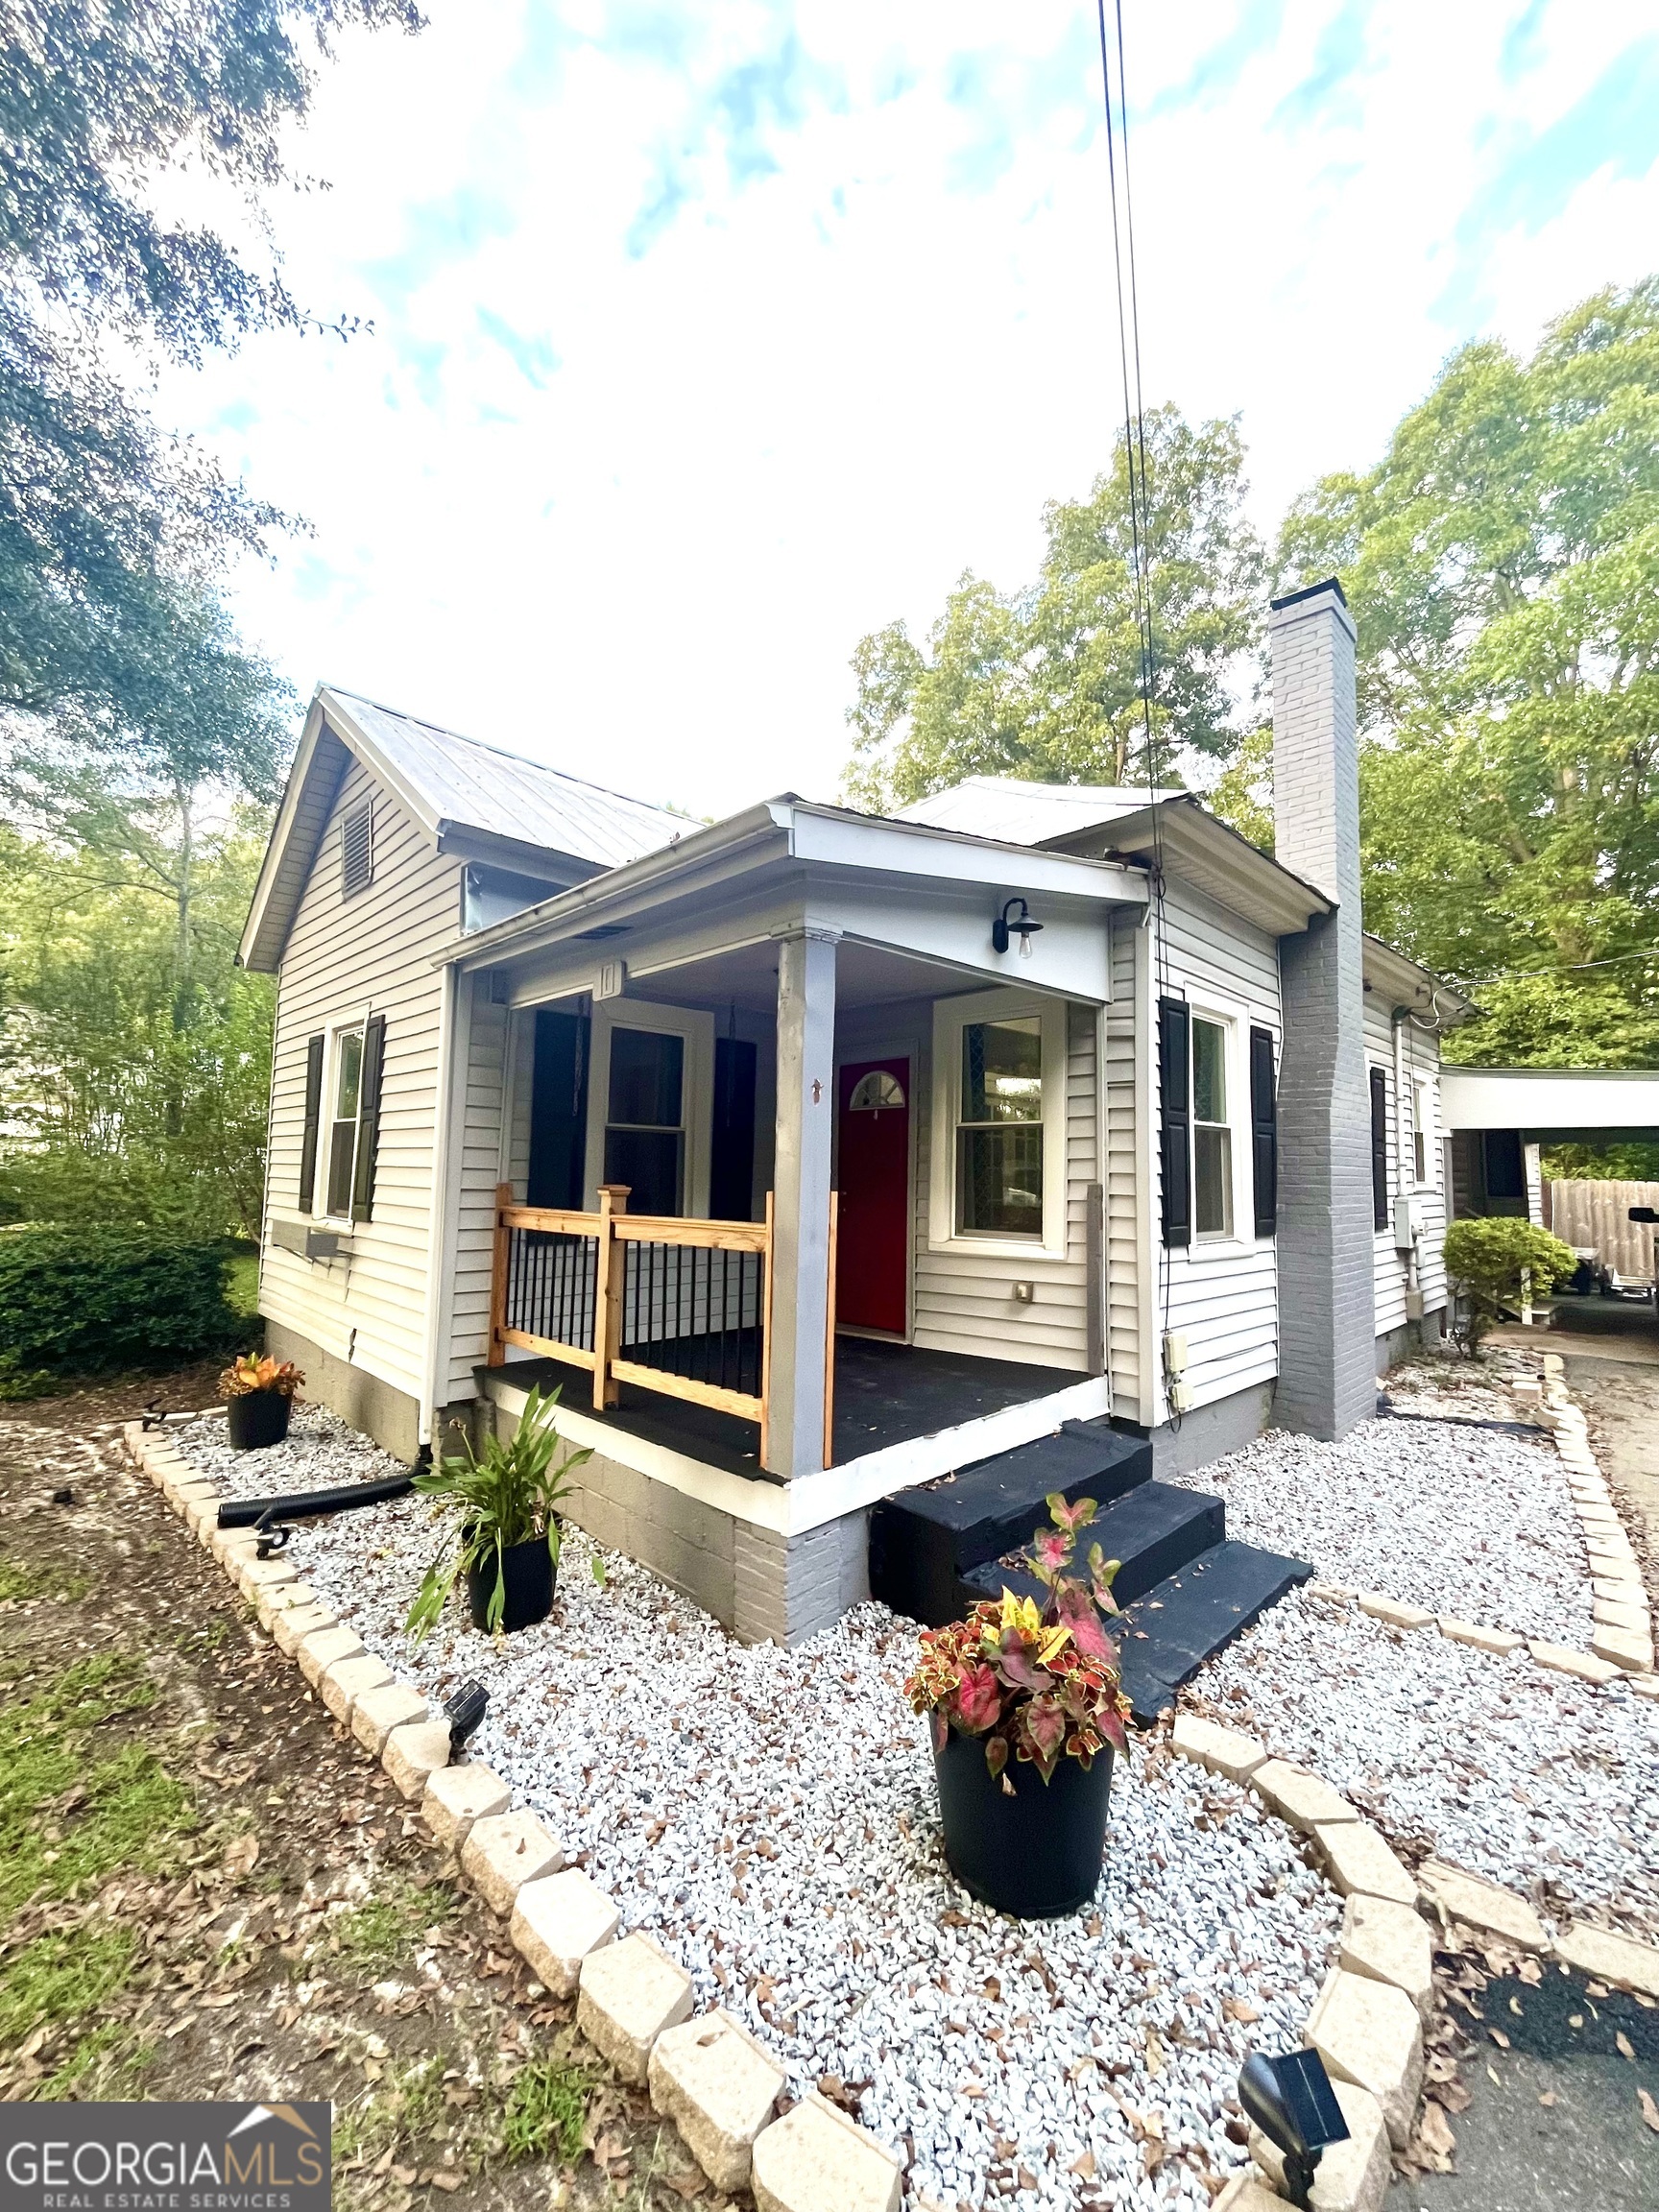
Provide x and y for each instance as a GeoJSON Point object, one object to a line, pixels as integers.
{"type": "Point", "coordinates": [259, 1396]}
{"type": "Point", "coordinates": [502, 1533]}
{"type": "Point", "coordinates": [1026, 1714]}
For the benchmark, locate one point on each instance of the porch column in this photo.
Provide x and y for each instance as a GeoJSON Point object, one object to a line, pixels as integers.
{"type": "Point", "coordinates": [801, 1183]}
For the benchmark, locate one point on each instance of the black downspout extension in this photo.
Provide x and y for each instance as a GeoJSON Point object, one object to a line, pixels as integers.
{"type": "Point", "coordinates": [313, 1504]}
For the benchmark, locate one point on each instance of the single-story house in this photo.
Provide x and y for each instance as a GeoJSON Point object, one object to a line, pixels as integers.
{"type": "Point", "coordinates": [818, 1156]}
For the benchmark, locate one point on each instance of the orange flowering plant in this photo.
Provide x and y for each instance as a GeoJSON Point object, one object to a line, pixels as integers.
{"type": "Point", "coordinates": [1038, 1683]}
{"type": "Point", "coordinates": [251, 1373]}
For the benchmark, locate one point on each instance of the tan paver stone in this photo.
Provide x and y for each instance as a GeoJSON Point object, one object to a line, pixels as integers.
{"type": "Point", "coordinates": [1561, 1659]}
{"type": "Point", "coordinates": [1499, 1641]}
{"type": "Point", "coordinates": [1351, 2176]}
{"type": "Point", "coordinates": [718, 2086]}
{"type": "Point", "coordinates": [257, 1575]}
{"type": "Point", "coordinates": [1636, 1620]}
{"type": "Point", "coordinates": [323, 1646]}
{"type": "Point", "coordinates": [375, 1713]}
{"type": "Point", "coordinates": [628, 1993]}
{"type": "Point", "coordinates": [290, 1628]}
{"type": "Point", "coordinates": [816, 2159]}
{"type": "Point", "coordinates": [1645, 1685]}
{"type": "Point", "coordinates": [1628, 1648]}
{"type": "Point", "coordinates": [505, 1850]}
{"type": "Point", "coordinates": [1223, 1751]}
{"type": "Point", "coordinates": [1300, 1797]}
{"type": "Point", "coordinates": [281, 1597]}
{"type": "Point", "coordinates": [1370, 2032]}
{"type": "Point", "coordinates": [1391, 1942]}
{"type": "Point", "coordinates": [200, 1514]}
{"type": "Point", "coordinates": [1391, 1610]}
{"type": "Point", "coordinates": [413, 1752]}
{"type": "Point", "coordinates": [1609, 1957]}
{"type": "Point", "coordinates": [1246, 2193]}
{"type": "Point", "coordinates": [1359, 1862]}
{"type": "Point", "coordinates": [341, 1685]}
{"type": "Point", "coordinates": [557, 1922]}
{"type": "Point", "coordinates": [1483, 1904]}
{"type": "Point", "coordinates": [456, 1796]}
{"type": "Point", "coordinates": [1619, 1589]}
{"type": "Point", "coordinates": [232, 1546]}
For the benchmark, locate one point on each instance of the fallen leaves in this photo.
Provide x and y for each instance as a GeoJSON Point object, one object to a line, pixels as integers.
{"type": "Point", "coordinates": [1649, 2110]}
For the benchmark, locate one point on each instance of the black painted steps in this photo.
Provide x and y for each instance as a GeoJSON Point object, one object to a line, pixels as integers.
{"type": "Point", "coordinates": [1166, 1637]}
{"type": "Point", "coordinates": [924, 1541]}
{"type": "Point", "coordinates": [1152, 1531]}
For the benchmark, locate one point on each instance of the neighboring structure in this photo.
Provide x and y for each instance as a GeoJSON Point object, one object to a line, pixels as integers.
{"type": "Point", "coordinates": [816, 1155]}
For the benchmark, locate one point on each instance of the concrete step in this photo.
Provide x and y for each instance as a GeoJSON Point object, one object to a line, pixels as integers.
{"type": "Point", "coordinates": [1168, 1634]}
{"type": "Point", "coordinates": [924, 1541]}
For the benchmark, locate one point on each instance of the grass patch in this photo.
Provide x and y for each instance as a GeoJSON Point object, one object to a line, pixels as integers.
{"type": "Point", "coordinates": [545, 2111]}
{"type": "Point", "coordinates": [20, 1582]}
{"type": "Point", "coordinates": [66, 1815]}
{"type": "Point", "coordinates": [375, 1937]}
{"type": "Point", "coordinates": [59, 1982]}
{"type": "Point", "coordinates": [242, 1285]}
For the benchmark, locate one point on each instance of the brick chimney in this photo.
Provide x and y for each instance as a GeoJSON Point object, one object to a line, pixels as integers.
{"type": "Point", "coordinates": [1327, 1323]}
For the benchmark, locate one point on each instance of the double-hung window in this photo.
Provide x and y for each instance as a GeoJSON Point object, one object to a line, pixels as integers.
{"type": "Point", "coordinates": [345, 1127]}
{"type": "Point", "coordinates": [1000, 1164]}
{"type": "Point", "coordinates": [1211, 1131]}
{"type": "Point", "coordinates": [1421, 1107]}
{"type": "Point", "coordinates": [644, 1121]}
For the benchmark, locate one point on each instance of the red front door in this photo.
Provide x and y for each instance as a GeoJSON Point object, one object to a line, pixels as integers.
{"type": "Point", "coordinates": [874, 1251]}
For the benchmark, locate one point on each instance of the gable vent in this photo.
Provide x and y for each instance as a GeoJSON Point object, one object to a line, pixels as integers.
{"type": "Point", "coordinates": [356, 848]}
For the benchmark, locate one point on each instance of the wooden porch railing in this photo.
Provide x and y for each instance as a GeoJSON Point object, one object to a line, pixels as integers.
{"type": "Point", "coordinates": [680, 1306]}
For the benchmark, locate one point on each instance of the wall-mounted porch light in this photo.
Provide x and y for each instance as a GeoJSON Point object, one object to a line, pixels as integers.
{"type": "Point", "coordinates": [1011, 923]}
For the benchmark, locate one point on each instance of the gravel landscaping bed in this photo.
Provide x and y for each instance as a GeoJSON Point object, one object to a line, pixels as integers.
{"type": "Point", "coordinates": [1521, 1776]}
{"type": "Point", "coordinates": [1461, 1521]}
{"type": "Point", "coordinates": [770, 1815]}
{"type": "Point", "coordinates": [319, 1453]}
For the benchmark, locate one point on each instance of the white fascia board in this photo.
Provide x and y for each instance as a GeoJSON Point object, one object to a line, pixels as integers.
{"type": "Point", "coordinates": [282, 831]}
{"type": "Point", "coordinates": [884, 847]}
{"type": "Point", "coordinates": [1548, 1098]}
{"type": "Point", "coordinates": [352, 734]}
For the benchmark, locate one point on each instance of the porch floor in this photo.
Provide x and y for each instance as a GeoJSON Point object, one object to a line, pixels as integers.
{"type": "Point", "coordinates": [884, 1394]}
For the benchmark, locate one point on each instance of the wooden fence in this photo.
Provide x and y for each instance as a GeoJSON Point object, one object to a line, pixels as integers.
{"type": "Point", "coordinates": [1599, 1213]}
{"type": "Point", "coordinates": [678, 1306]}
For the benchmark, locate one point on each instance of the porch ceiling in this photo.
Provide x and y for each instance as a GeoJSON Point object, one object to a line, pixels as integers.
{"type": "Point", "coordinates": [747, 978]}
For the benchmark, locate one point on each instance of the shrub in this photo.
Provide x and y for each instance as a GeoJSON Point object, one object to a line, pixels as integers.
{"type": "Point", "coordinates": [1487, 1259]}
{"type": "Point", "coordinates": [96, 1300]}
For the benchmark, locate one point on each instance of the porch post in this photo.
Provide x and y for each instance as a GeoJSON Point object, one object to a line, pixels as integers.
{"type": "Point", "coordinates": [801, 1179]}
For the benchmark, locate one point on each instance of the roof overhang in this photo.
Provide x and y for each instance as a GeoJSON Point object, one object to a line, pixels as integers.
{"type": "Point", "coordinates": [1213, 858]}
{"type": "Point", "coordinates": [1409, 987]}
{"type": "Point", "coordinates": [1564, 1102]}
{"type": "Point", "coordinates": [791, 831]}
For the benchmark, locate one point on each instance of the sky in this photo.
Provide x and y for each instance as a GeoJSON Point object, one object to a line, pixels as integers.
{"type": "Point", "coordinates": [705, 336]}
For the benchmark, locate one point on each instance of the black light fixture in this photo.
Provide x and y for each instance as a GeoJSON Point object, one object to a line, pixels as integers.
{"type": "Point", "coordinates": [1009, 923]}
{"type": "Point", "coordinates": [1291, 2101]}
{"type": "Point", "coordinates": [464, 1713]}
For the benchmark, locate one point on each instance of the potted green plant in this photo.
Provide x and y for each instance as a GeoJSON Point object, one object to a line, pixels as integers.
{"type": "Point", "coordinates": [259, 1396]}
{"type": "Point", "coordinates": [1022, 1694]}
{"type": "Point", "coordinates": [502, 1533]}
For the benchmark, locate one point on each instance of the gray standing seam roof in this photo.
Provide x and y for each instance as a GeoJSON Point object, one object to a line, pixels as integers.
{"type": "Point", "coordinates": [477, 788]}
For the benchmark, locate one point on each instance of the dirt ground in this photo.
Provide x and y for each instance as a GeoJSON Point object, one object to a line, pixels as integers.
{"type": "Point", "coordinates": [207, 1891]}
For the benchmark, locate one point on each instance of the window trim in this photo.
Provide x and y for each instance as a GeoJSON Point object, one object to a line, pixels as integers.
{"type": "Point", "coordinates": [696, 1028]}
{"type": "Point", "coordinates": [1423, 1130]}
{"type": "Point", "coordinates": [328, 1119]}
{"type": "Point", "coordinates": [1234, 1017]}
{"type": "Point", "coordinates": [951, 1016]}
{"type": "Point", "coordinates": [1209, 1238]}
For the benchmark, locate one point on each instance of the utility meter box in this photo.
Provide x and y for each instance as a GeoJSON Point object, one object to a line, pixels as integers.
{"type": "Point", "coordinates": [1407, 1223]}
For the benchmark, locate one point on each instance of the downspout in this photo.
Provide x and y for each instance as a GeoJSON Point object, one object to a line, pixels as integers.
{"type": "Point", "coordinates": [1150, 1362]}
{"type": "Point", "coordinates": [1405, 1158]}
{"type": "Point", "coordinates": [438, 1211]}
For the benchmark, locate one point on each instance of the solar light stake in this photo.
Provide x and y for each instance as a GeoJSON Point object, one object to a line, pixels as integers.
{"type": "Point", "coordinates": [464, 1713]}
{"type": "Point", "coordinates": [1291, 2101]}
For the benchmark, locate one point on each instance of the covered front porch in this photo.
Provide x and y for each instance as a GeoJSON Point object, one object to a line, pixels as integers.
{"type": "Point", "coordinates": [797, 1177]}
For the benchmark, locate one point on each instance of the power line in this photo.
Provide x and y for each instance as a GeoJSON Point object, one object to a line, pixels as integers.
{"type": "Point", "coordinates": [1561, 968]}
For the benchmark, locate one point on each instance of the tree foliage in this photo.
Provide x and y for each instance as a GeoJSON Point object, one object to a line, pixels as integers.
{"type": "Point", "coordinates": [1046, 682]}
{"type": "Point", "coordinates": [1503, 564]}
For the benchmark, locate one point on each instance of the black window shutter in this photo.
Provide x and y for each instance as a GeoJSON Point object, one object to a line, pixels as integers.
{"type": "Point", "coordinates": [313, 1118]}
{"type": "Point", "coordinates": [1175, 1118]}
{"type": "Point", "coordinates": [1264, 1132]}
{"type": "Point", "coordinates": [1379, 1148]}
{"type": "Point", "coordinates": [369, 1118]}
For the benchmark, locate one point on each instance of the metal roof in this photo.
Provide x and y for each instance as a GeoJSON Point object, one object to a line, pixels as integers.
{"type": "Point", "coordinates": [460, 784]}
{"type": "Point", "coordinates": [1017, 811]}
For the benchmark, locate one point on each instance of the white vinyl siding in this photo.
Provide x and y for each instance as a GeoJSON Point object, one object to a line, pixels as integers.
{"type": "Point", "coordinates": [1128, 1194]}
{"type": "Point", "coordinates": [1419, 1059]}
{"type": "Point", "coordinates": [344, 961]}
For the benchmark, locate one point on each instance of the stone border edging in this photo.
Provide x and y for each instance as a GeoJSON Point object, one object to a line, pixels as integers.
{"type": "Point", "coordinates": [1367, 2021]}
{"type": "Point", "coordinates": [708, 2074]}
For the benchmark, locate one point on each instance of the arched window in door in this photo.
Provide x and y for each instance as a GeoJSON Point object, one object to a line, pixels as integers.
{"type": "Point", "coordinates": [876, 1092]}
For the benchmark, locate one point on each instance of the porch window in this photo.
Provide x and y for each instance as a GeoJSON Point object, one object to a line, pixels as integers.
{"type": "Point", "coordinates": [644, 1121]}
{"type": "Point", "coordinates": [345, 1111]}
{"type": "Point", "coordinates": [1000, 1135]}
{"type": "Point", "coordinates": [1212, 1134]}
{"type": "Point", "coordinates": [1419, 1112]}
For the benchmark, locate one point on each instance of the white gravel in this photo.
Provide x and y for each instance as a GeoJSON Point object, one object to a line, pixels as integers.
{"type": "Point", "coordinates": [770, 1815]}
{"type": "Point", "coordinates": [1461, 1521]}
{"type": "Point", "coordinates": [1508, 1771]}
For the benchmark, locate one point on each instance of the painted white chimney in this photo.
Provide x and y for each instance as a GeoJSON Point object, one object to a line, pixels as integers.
{"type": "Point", "coordinates": [1327, 1321]}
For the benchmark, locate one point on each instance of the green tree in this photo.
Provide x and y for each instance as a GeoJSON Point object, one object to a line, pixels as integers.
{"type": "Point", "coordinates": [1046, 681]}
{"type": "Point", "coordinates": [1503, 564]}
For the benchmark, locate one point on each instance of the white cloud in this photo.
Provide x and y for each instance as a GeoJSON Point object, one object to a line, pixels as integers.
{"type": "Point", "coordinates": [632, 510]}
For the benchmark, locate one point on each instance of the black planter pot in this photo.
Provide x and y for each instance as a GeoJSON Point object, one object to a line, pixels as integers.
{"type": "Point", "coordinates": [528, 1573]}
{"type": "Point", "coordinates": [257, 1419]}
{"type": "Point", "coordinates": [1037, 1854]}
